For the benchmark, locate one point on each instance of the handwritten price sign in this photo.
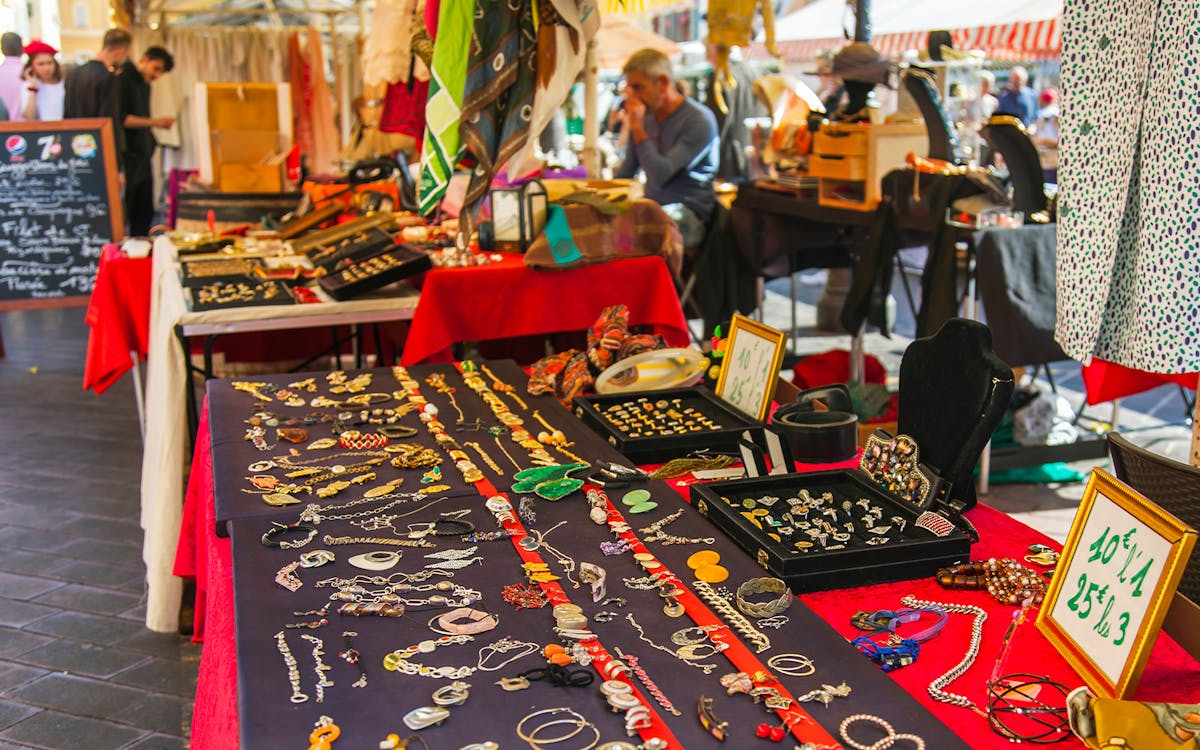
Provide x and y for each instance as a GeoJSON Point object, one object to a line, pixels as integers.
{"type": "Point", "coordinates": [751, 366]}
{"type": "Point", "coordinates": [1119, 569]}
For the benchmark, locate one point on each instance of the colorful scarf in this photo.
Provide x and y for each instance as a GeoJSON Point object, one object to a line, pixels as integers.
{"type": "Point", "coordinates": [443, 146]}
{"type": "Point", "coordinates": [498, 97]}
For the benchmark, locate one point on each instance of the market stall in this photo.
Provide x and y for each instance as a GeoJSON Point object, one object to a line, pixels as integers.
{"type": "Point", "coordinates": [673, 638]}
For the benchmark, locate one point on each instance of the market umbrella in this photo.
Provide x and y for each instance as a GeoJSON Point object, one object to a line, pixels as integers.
{"type": "Point", "coordinates": [618, 39]}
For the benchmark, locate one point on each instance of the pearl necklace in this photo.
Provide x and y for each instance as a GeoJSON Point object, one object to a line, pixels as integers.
{"type": "Point", "coordinates": [936, 688]}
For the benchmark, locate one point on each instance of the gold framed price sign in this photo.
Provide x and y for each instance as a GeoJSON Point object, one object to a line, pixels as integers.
{"type": "Point", "coordinates": [1121, 563]}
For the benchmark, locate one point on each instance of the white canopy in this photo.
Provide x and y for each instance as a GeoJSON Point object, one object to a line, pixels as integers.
{"type": "Point", "coordinates": [1025, 29]}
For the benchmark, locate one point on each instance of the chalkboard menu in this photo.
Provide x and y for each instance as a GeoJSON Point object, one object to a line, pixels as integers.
{"type": "Point", "coordinates": [59, 205]}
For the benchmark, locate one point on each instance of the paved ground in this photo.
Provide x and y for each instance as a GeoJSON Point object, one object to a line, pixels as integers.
{"type": "Point", "coordinates": [77, 666]}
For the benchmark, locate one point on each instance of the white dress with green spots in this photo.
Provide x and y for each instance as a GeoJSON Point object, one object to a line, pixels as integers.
{"type": "Point", "coordinates": [1128, 271]}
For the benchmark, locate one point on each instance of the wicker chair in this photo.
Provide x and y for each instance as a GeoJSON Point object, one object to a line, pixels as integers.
{"type": "Point", "coordinates": [1173, 486]}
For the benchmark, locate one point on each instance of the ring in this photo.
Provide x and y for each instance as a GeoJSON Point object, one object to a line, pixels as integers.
{"type": "Point", "coordinates": [454, 694]}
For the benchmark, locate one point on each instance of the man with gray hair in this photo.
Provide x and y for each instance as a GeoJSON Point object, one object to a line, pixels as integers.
{"type": "Point", "coordinates": [1017, 99]}
{"type": "Point", "coordinates": [673, 141]}
{"type": "Point", "coordinates": [12, 81]}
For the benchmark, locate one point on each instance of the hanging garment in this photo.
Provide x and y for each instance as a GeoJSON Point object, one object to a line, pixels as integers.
{"type": "Point", "coordinates": [566, 27]}
{"type": "Point", "coordinates": [326, 140]}
{"type": "Point", "coordinates": [404, 108]}
{"type": "Point", "coordinates": [498, 96]}
{"type": "Point", "coordinates": [387, 52]}
{"type": "Point", "coordinates": [443, 146]}
{"type": "Point", "coordinates": [302, 129]}
{"type": "Point", "coordinates": [1128, 265]}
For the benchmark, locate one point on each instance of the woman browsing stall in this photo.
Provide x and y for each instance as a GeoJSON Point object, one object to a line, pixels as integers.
{"type": "Point", "coordinates": [44, 92]}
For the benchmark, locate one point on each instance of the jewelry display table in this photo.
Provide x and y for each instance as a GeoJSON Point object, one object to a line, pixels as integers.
{"type": "Point", "coordinates": [241, 609]}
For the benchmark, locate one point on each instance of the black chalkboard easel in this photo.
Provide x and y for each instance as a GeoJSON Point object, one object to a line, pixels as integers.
{"type": "Point", "coordinates": [59, 205]}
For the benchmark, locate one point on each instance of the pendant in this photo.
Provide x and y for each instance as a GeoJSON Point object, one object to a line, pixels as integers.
{"type": "Point", "coordinates": [433, 475]}
{"type": "Point", "coordinates": [381, 490]}
{"type": "Point", "coordinates": [321, 444]}
{"type": "Point", "coordinates": [512, 684]}
{"type": "Point", "coordinates": [279, 499]}
{"type": "Point", "coordinates": [264, 482]}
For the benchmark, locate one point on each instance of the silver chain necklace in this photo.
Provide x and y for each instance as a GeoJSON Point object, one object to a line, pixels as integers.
{"type": "Point", "coordinates": [936, 688]}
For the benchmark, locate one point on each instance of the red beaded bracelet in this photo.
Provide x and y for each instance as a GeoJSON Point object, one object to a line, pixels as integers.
{"type": "Point", "coordinates": [358, 441]}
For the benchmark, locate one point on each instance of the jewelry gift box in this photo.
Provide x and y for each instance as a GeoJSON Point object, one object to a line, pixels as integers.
{"type": "Point", "coordinates": [883, 521]}
{"type": "Point", "coordinates": [368, 274]}
{"type": "Point", "coordinates": [653, 426]}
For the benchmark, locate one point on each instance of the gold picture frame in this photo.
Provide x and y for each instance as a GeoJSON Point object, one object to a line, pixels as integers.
{"type": "Point", "coordinates": [750, 367]}
{"type": "Point", "coordinates": [1120, 565]}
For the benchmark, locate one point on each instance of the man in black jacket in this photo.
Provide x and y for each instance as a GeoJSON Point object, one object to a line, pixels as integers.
{"type": "Point", "coordinates": [91, 87]}
{"type": "Point", "coordinates": [133, 82]}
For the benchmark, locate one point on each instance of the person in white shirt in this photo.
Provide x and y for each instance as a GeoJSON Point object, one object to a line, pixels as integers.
{"type": "Point", "coordinates": [10, 75]}
{"type": "Point", "coordinates": [44, 89]}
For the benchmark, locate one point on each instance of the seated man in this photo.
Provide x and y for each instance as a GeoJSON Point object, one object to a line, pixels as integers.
{"type": "Point", "coordinates": [673, 140]}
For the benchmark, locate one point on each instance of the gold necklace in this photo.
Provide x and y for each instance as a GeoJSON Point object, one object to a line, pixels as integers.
{"type": "Point", "coordinates": [499, 386]}
{"type": "Point", "coordinates": [288, 462]}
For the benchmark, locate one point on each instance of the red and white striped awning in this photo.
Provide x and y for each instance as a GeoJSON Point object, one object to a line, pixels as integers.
{"type": "Point", "coordinates": [1018, 29]}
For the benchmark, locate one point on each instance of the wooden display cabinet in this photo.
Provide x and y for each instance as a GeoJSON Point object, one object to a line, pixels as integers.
{"type": "Point", "coordinates": [850, 159]}
{"type": "Point", "coordinates": [242, 129]}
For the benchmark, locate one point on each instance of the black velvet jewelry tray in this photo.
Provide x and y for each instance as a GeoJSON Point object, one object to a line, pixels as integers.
{"type": "Point", "coordinates": [356, 247]}
{"type": "Point", "coordinates": [191, 272]}
{"type": "Point", "coordinates": [283, 296]}
{"type": "Point", "coordinates": [411, 262]}
{"type": "Point", "coordinates": [910, 553]}
{"type": "Point", "coordinates": [661, 447]}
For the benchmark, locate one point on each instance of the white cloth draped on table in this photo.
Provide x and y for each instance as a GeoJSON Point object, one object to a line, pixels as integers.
{"type": "Point", "coordinates": [1128, 269]}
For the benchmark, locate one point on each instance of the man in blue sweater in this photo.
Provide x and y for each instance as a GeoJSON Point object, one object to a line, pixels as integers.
{"type": "Point", "coordinates": [673, 140]}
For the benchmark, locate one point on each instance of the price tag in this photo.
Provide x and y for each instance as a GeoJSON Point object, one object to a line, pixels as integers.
{"type": "Point", "coordinates": [1118, 572]}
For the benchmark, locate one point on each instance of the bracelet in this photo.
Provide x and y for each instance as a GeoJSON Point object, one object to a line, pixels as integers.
{"type": "Point", "coordinates": [475, 621]}
{"type": "Point", "coordinates": [293, 670]}
{"type": "Point", "coordinates": [763, 586]}
{"type": "Point", "coordinates": [358, 441]}
{"type": "Point", "coordinates": [269, 540]}
{"type": "Point", "coordinates": [935, 524]}
{"type": "Point", "coordinates": [398, 660]}
{"type": "Point", "coordinates": [887, 741]}
{"type": "Point", "coordinates": [319, 667]}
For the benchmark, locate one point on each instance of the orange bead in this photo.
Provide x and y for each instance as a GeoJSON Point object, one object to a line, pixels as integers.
{"type": "Point", "coordinates": [561, 660]}
{"type": "Point", "coordinates": [553, 649]}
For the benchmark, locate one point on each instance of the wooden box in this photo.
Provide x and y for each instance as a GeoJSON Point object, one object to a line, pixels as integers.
{"type": "Point", "coordinates": [241, 131]}
{"type": "Point", "coordinates": [852, 158]}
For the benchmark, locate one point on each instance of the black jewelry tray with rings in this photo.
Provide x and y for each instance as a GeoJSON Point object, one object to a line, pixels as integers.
{"type": "Point", "coordinates": [370, 273]}
{"type": "Point", "coordinates": [266, 292]}
{"type": "Point", "coordinates": [862, 526]}
{"type": "Point", "coordinates": [666, 424]}
{"type": "Point", "coordinates": [198, 273]}
{"type": "Point", "coordinates": [364, 244]}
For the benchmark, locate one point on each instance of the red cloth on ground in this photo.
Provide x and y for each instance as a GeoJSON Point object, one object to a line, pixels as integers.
{"type": "Point", "coordinates": [119, 316]}
{"type": "Point", "coordinates": [208, 559]}
{"type": "Point", "coordinates": [506, 299]}
{"type": "Point", "coordinates": [834, 367]}
{"type": "Point", "coordinates": [1105, 381]}
{"type": "Point", "coordinates": [404, 109]}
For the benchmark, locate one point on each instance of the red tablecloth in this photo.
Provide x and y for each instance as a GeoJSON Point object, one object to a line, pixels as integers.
{"type": "Point", "coordinates": [119, 316]}
{"type": "Point", "coordinates": [507, 300]}
{"type": "Point", "coordinates": [1171, 674]}
{"type": "Point", "coordinates": [1105, 381]}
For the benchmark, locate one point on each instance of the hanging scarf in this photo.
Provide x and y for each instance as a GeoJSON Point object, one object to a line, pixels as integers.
{"type": "Point", "coordinates": [498, 98]}
{"type": "Point", "coordinates": [565, 28]}
{"type": "Point", "coordinates": [443, 146]}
